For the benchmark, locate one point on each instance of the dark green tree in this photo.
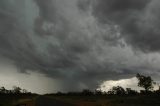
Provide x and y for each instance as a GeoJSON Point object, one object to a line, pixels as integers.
{"type": "Point", "coordinates": [145, 82]}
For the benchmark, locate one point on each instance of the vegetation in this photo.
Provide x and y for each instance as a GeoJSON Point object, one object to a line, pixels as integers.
{"type": "Point", "coordinates": [117, 96]}
{"type": "Point", "coordinates": [145, 81]}
{"type": "Point", "coordinates": [16, 90]}
{"type": "Point", "coordinates": [117, 90]}
{"type": "Point", "coordinates": [15, 96]}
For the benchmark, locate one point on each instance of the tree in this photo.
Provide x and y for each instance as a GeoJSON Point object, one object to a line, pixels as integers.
{"type": "Point", "coordinates": [129, 91]}
{"type": "Point", "coordinates": [118, 90]}
{"type": "Point", "coordinates": [2, 90]}
{"type": "Point", "coordinates": [24, 91]}
{"type": "Point", "coordinates": [87, 92]}
{"type": "Point", "coordinates": [17, 90]}
{"type": "Point", "coordinates": [98, 92]}
{"type": "Point", "coordinates": [145, 82]}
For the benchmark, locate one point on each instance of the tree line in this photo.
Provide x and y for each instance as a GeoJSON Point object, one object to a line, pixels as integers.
{"type": "Point", "coordinates": [15, 90]}
{"type": "Point", "coordinates": [145, 82]}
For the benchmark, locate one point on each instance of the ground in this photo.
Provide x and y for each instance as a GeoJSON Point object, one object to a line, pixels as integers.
{"type": "Point", "coordinates": [139, 100]}
{"type": "Point", "coordinates": [15, 100]}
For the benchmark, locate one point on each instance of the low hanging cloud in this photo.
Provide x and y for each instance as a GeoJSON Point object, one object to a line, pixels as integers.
{"type": "Point", "coordinates": [125, 83]}
{"type": "Point", "coordinates": [79, 42]}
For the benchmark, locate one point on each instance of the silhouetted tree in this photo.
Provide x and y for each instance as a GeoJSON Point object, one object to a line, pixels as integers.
{"type": "Point", "coordinates": [2, 90]}
{"type": "Point", "coordinates": [16, 90]}
{"type": "Point", "coordinates": [24, 91]}
{"type": "Point", "coordinates": [110, 92]}
{"type": "Point", "coordinates": [145, 82]}
{"type": "Point", "coordinates": [73, 93]}
{"type": "Point", "coordinates": [98, 92]}
{"type": "Point", "coordinates": [117, 90]}
{"type": "Point", "coordinates": [129, 91]}
{"type": "Point", "coordinates": [59, 93]}
{"type": "Point", "coordinates": [87, 92]}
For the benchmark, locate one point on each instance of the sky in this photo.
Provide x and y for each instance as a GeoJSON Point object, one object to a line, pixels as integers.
{"type": "Point", "coordinates": [69, 45]}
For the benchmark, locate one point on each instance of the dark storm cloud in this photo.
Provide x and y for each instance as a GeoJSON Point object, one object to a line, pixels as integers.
{"type": "Point", "coordinates": [63, 40]}
{"type": "Point", "coordinates": [138, 20]}
{"type": "Point", "coordinates": [53, 53]}
{"type": "Point", "coordinates": [118, 10]}
{"type": "Point", "coordinates": [84, 4]}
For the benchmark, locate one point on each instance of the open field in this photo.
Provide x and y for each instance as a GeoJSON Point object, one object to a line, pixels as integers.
{"type": "Point", "coordinates": [142, 100]}
{"type": "Point", "coordinates": [13, 100]}
{"type": "Point", "coordinates": [46, 101]}
{"type": "Point", "coordinates": [105, 100]}
{"type": "Point", "coordinates": [27, 102]}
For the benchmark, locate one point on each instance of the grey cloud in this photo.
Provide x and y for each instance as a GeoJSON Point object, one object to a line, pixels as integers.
{"type": "Point", "coordinates": [84, 4]}
{"type": "Point", "coordinates": [118, 10]}
{"type": "Point", "coordinates": [54, 53]}
{"type": "Point", "coordinates": [63, 42]}
{"type": "Point", "coordinates": [138, 20]}
{"type": "Point", "coordinates": [46, 9]}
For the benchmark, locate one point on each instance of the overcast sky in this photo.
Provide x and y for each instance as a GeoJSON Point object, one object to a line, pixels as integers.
{"type": "Point", "coordinates": [51, 45]}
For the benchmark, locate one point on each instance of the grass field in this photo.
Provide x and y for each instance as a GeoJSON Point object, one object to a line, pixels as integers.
{"type": "Point", "coordinates": [142, 100]}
